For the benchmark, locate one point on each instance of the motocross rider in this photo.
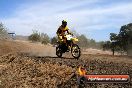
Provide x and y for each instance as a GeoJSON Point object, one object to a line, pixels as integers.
{"type": "Point", "coordinates": [61, 32]}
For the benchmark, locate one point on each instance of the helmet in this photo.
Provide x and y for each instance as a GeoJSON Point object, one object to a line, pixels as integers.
{"type": "Point", "coordinates": [64, 23]}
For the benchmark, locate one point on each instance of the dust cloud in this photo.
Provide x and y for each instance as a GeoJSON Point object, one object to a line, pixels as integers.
{"type": "Point", "coordinates": [42, 51]}
{"type": "Point", "coordinates": [27, 48]}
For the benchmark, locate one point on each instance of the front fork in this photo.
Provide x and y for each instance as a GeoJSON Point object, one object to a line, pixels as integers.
{"type": "Point", "coordinates": [70, 44]}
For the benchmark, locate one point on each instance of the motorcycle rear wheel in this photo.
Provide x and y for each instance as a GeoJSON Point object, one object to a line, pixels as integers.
{"type": "Point", "coordinates": [58, 52]}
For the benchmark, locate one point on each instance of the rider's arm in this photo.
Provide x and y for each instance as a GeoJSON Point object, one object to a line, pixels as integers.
{"type": "Point", "coordinates": [69, 32]}
{"type": "Point", "coordinates": [58, 31]}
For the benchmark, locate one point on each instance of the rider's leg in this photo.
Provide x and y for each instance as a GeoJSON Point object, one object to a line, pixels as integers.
{"type": "Point", "coordinates": [66, 43]}
{"type": "Point", "coordinates": [60, 39]}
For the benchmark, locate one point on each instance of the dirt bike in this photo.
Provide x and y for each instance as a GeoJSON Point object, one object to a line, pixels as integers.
{"type": "Point", "coordinates": [69, 46]}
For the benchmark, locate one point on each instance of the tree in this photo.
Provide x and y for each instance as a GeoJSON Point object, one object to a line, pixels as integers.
{"type": "Point", "coordinates": [54, 40]}
{"type": "Point", "coordinates": [125, 35]}
{"type": "Point", "coordinates": [3, 31]}
{"type": "Point", "coordinates": [83, 41]}
{"type": "Point", "coordinates": [114, 42]}
{"type": "Point", "coordinates": [35, 36]}
{"type": "Point", "coordinates": [120, 42]}
{"type": "Point", "coordinates": [45, 39]}
{"type": "Point", "coordinates": [100, 44]}
{"type": "Point", "coordinates": [106, 45]}
{"type": "Point", "coordinates": [92, 43]}
{"type": "Point", "coordinates": [39, 37]}
{"type": "Point", "coordinates": [113, 37]}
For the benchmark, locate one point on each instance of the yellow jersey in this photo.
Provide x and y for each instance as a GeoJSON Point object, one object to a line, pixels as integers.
{"type": "Point", "coordinates": [61, 30]}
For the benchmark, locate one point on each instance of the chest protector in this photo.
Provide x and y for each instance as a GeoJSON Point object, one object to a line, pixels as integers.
{"type": "Point", "coordinates": [62, 30]}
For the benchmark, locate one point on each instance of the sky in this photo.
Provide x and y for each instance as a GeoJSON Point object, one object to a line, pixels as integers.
{"type": "Point", "coordinates": [94, 18]}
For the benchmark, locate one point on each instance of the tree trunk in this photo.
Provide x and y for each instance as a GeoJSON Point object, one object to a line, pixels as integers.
{"type": "Point", "coordinates": [129, 50]}
{"type": "Point", "coordinates": [113, 51]}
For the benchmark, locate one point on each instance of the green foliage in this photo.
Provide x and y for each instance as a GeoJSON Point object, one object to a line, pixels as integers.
{"type": "Point", "coordinates": [83, 41]}
{"type": "Point", "coordinates": [92, 43]}
{"type": "Point", "coordinates": [88, 43]}
{"type": "Point", "coordinates": [120, 42]}
{"type": "Point", "coordinates": [54, 40]}
{"type": "Point", "coordinates": [113, 37]}
{"type": "Point", "coordinates": [45, 39]}
{"type": "Point", "coordinates": [35, 36]}
{"type": "Point", "coordinates": [3, 32]}
{"type": "Point", "coordinates": [2, 29]}
{"type": "Point", "coordinates": [125, 36]}
{"type": "Point", "coordinates": [126, 33]}
{"type": "Point", "coordinates": [106, 45]}
{"type": "Point", "coordinates": [39, 37]}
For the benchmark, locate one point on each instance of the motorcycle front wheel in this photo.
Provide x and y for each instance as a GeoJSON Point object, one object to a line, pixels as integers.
{"type": "Point", "coordinates": [76, 53]}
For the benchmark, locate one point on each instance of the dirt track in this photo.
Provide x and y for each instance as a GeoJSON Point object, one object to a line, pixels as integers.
{"type": "Point", "coordinates": [32, 68]}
